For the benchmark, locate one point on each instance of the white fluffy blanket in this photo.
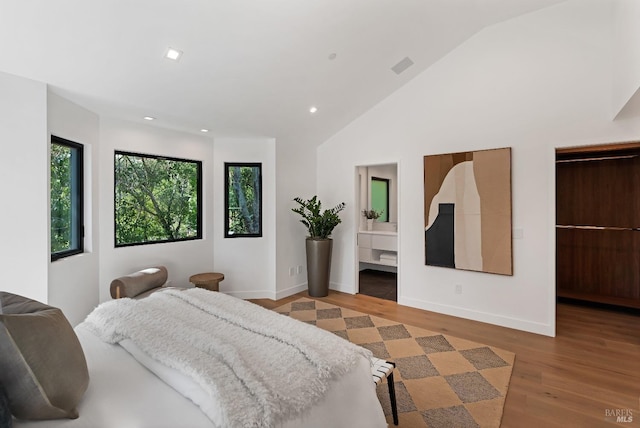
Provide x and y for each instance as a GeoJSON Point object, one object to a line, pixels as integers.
{"type": "Point", "coordinates": [262, 367]}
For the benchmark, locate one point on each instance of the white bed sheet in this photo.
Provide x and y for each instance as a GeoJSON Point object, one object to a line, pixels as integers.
{"type": "Point", "coordinates": [124, 394]}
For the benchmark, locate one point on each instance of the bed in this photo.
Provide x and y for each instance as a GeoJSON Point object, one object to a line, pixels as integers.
{"type": "Point", "coordinates": [130, 387]}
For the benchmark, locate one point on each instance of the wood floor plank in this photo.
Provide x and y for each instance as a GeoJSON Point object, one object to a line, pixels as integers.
{"type": "Point", "coordinates": [593, 364]}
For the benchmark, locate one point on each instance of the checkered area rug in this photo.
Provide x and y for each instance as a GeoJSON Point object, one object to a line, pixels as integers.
{"type": "Point", "coordinates": [440, 380]}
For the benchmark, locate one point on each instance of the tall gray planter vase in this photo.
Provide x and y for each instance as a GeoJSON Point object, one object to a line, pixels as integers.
{"type": "Point", "coordinates": [318, 266]}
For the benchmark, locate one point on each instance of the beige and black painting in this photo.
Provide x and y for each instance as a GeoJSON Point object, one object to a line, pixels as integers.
{"type": "Point", "coordinates": [467, 211]}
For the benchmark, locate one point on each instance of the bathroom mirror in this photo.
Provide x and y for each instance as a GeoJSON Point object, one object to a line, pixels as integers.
{"type": "Point", "coordinates": [380, 197]}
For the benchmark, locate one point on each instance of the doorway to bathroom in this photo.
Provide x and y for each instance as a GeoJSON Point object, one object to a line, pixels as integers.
{"type": "Point", "coordinates": [377, 231]}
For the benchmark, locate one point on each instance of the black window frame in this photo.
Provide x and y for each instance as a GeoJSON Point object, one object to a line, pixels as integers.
{"type": "Point", "coordinates": [227, 233]}
{"type": "Point", "coordinates": [77, 199]}
{"type": "Point", "coordinates": [199, 205]}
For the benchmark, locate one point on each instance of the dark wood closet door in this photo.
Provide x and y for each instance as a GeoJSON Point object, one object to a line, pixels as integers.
{"type": "Point", "coordinates": [598, 226]}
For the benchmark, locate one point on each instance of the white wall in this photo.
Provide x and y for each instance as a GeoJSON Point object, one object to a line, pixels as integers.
{"type": "Point", "coordinates": [296, 176]}
{"type": "Point", "coordinates": [24, 187]}
{"type": "Point", "coordinates": [248, 264]}
{"type": "Point", "coordinates": [182, 259]}
{"type": "Point", "coordinates": [625, 52]}
{"type": "Point", "coordinates": [73, 281]}
{"type": "Point", "coordinates": [535, 83]}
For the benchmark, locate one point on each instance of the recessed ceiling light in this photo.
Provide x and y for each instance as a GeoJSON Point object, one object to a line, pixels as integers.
{"type": "Point", "coordinates": [313, 109]}
{"type": "Point", "coordinates": [332, 56]}
{"type": "Point", "coordinates": [173, 54]}
{"type": "Point", "coordinates": [149, 118]}
{"type": "Point", "coordinates": [204, 130]}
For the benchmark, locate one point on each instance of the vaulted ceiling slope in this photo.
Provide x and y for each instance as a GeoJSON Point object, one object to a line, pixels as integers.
{"type": "Point", "coordinates": [249, 68]}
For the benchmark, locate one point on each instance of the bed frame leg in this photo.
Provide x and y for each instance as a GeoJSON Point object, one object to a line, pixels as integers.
{"type": "Point", "coordinates": [392, 398]}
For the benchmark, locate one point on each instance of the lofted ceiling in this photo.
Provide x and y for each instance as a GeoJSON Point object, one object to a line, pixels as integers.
{"type": "Point", "coordinates": [249, 67]}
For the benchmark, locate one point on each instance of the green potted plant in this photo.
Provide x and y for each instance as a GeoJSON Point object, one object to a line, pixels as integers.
{"type": "Point", "coordinates": [371, 215]}
{"type": "Point", "coordinates": [320, 224]}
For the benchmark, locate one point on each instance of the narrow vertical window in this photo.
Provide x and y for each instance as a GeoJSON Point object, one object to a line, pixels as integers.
{"type": "Point", "coordinates": [66, 198]}
{"type": "Point", "coordinates": [243, 200]}
{"type": "Point", "coordinates": [380, 197]}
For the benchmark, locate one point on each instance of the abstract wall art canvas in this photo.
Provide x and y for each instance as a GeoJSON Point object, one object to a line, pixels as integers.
{"type": "Point", "coordinates": [467, 211]}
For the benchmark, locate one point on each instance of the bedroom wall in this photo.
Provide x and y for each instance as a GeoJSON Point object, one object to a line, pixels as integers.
{"type": "Point", "coordinates": [24, 186]}
{"type": "Point", "coordinates": [534, 83]}
{"type": "Point", "coordinates": [182, 259]}
{"type": "Point", "coordinates": [296, 176]}
{"type": "Point", "coordinates": [73, 281]}
{"type": "Point", "coordinates": [248, 264]}
{"type": "Point", "coordinates": [625, 52]}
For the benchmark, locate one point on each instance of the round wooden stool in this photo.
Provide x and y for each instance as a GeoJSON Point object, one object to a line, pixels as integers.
{"type": "Point", "coordinates": [208, 281]}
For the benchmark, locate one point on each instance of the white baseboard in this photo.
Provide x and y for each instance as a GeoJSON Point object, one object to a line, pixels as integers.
{"type": "Point", "coordinates": [281, 294]}
{"type": "Point", "coordinates": [515, 323]}
{"type": "Point", "coordinates": [344, 288]}
{"type": "Point", "coordinates": [252, 294]}
{"type": "Point", "coordinates": [268, 294]}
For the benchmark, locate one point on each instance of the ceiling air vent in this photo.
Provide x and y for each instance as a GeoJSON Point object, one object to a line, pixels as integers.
{"type": "Point", "coordinates": [402, 65]}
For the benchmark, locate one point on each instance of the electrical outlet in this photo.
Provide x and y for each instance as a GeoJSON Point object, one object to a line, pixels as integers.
{"type": "Point", "coordinates": [299, 270]}
{"type": "Point", "coordinates": [458, 289]}
{"type": "Point", "coordinates": [292, 271]}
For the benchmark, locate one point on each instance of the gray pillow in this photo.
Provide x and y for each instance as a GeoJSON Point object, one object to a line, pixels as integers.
{"type": "Point", "coordinates": [42, 365]}
{"type": "Point", "coordinates": [6, 421]}
{"type": "Point", "coordinates": [140, 282]}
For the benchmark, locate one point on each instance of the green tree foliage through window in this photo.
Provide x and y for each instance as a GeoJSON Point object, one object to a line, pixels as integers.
{"type": "Point", "coordinates": [243, 203]}
{"type": "Point", "coordinates": [66, 198]}
{"type": "Point", "coordinates": [156, 199]}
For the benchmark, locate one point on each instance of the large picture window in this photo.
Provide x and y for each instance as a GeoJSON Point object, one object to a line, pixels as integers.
{"type": "Point", "coordinates": [157, 199]}
{"type": "Point", "coordinates": [243, 200]}
{"type": "Point", "coordinates": [66, 198]}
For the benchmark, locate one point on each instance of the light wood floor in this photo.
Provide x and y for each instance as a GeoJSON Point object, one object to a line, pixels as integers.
{"type": "Point", "coordinates": [592, 366]}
